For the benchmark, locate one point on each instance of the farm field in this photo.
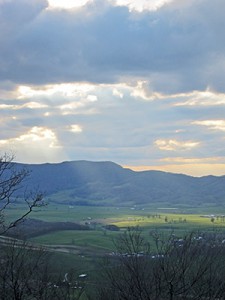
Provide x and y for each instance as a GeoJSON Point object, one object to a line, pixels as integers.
{"type": "Point", "coordinates": [100, 240]}
{"type": "Point", "coordinates": [83, 251]}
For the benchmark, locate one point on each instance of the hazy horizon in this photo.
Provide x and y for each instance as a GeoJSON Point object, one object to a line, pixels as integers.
{"type": "Point", "coordinates": [174, 169]}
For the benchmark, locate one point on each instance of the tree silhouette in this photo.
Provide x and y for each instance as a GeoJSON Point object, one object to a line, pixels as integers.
{"type": "Point", "coordinates": [11, 181]}
{"type": "Point", "coordinates": [191, 267]}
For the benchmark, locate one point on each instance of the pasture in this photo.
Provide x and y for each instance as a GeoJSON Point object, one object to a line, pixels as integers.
{"type": "Point", "coordinates": [99, 240]}
{"type": "Point", "coordinates": [83, 251]}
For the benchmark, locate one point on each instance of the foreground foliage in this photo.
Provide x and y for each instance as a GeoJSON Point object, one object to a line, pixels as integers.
{"type": "Point", "coordinates": [189, 268]}
{"type": "Point", "coordinates": [27, 273]}
{"type": "Point", "coordinates": [12, 180]}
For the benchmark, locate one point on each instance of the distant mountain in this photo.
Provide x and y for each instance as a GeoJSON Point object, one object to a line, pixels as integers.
{"type": "Point", "coordinates": [106, 183]}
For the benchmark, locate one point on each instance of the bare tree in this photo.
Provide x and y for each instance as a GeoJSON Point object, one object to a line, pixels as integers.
{"type": "Point", "coordinates": [26, 269]}
{"type": "Point", "coordinates": [11, 181]}
{"type": "Point", "coordinates": [191, 267]}
{"type": "Point", "coordinates": [27, 273]}
{"type": "Point", "coordinates": [126, 275]}
{"type": "Point", "coordinates": [23, 271]}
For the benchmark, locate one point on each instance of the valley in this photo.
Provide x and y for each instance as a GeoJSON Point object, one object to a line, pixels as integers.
{"type": "Point", "coordinates": [90, 206]}
{"type": "Point", "coordinates": [93, 233]}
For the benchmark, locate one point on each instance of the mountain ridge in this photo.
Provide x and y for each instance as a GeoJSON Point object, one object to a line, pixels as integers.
{"type": "Point", "coordinates": [107, 183]}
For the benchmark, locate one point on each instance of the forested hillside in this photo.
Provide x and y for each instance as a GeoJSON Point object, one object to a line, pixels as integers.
{"type": "Point", "coordinates": [106, 183]}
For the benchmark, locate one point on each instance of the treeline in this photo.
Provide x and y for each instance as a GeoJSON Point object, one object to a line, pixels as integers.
{"type": "Point", "coordinates": [32, 227]}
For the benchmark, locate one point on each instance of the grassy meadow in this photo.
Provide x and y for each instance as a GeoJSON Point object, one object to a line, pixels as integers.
{"type": "Point", "coordinates": [99, 240]}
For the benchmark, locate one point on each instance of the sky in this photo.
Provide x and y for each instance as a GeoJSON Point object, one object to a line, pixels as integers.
{"type": "Point", "coordinates": [136, 82]}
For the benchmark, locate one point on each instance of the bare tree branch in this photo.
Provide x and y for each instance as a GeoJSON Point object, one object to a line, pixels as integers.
{"type": "Point", "coordinates": [12, 181]}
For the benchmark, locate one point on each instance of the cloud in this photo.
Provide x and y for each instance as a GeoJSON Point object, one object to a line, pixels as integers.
{"type": "Point", "coordinates": [110, 121]}
{"type": "Point", "coordinates": [31, 105]}
{"type": "Point", "coordinates": [36, 134]}
{"type": "Point", "coordinates": [133, 5]}
{"type": "Point", "coordinates": [68, 4]}
{"type": "Point", "coordinates": [117, 93]}
{"type": "Point", "coordinates": [142, 5]}
{"type": "Point", "coordinates": [218, 125]}
{"type": "Point", "coordinates": [104, 81]}
{"type": "Point", "coordinates": [75, 128]}
{"type": "Point", "coordinates": [7, 90]}
{"type": "Point", "coordinates": [38, 142]}
{"type": "Point", "coordinates": [179, 47]}
{"type": "Point", "coordinates": [64, 90]}
{"type": "Point", "coordinates": [174, 145]}
{"type": "Point", "coordinates": [201, 98]}
{"type": "Point", "coordinates": [143, 90]}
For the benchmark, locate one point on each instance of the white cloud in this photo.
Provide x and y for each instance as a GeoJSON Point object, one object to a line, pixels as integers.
{"type": "Point", "coordinates": [67, 4]}
{"type": "Point", "coordinates": [30, 105]}
{"type": "Point", "coordinates": [92, 98]}
{"type": "Point", "coordinates": [140, 5]}
{"type": "Point", "coordinates": [174, 145]}
{"type": "Point", "coordinates": [75, 128]}
{"type": "Point", "coordinates": [133, 5]}
{"type": "Point", "coordinates": [39, 144]}
{"type": "Point", "coordinates": [117, 93]}
{"type": "Point", "coordinates": [36, 135]}
{"type": "Point", "coordinates": [71, 106]}
{"type": "Point", "coordinates": [142, 90]}
{"type": "Point", "coordinates": [68, 90]}
{"type": "Point", "coordinates": [218, 125]}
{"type": "Point", "coordinates": [70, 98]}
{"type": "Point", "coordinates": [200, 98]}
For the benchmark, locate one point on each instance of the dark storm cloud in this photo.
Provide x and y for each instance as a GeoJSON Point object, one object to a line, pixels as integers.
{"type": "Point", "coordinates": [179, 47]}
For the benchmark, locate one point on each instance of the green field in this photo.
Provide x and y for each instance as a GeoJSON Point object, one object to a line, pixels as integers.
{"type": "Point", "coordinates": [86, 242]}
{"type": "Point", "coordinates": [83, 251]}
{"type": "Point", "coordinates": [99, 240]}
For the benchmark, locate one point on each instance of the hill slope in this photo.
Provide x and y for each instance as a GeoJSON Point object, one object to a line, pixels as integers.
{"type": "Point", "coordinates": [106, 183]}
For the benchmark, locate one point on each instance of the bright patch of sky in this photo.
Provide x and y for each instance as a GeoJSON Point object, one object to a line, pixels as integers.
{"type": "Point", "coordinates": [67, 4]}
{"type": "Point", "coordinates": [133, 5]}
